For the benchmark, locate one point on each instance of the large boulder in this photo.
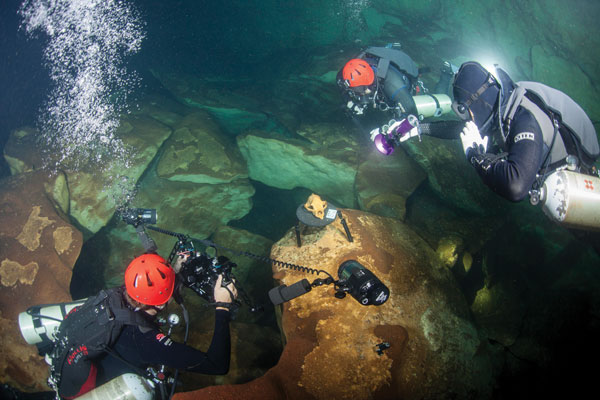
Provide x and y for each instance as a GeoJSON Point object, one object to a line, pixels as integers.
{"type": "Point", "coordinates": [327, 168]}
{"type": "Point", "coordinates": [38, 249]}
{"type": "Point", "coordinates": [435, 350]}
{"type": "Point", "coordinates": [444, 161]}
{"type": "Point", "coordinates": [383, 183]}
{"type": "Point", "coordinates": [196, 153]}
{"type": "Point", "coordinates": [94, 191]}
{"type": "Point", "coordinates": [95, 194]}
{"type": "Point", "coordinates": [21, 151]}
{"type": "Point", "coordinates": [233, 109]}
{"type": "Point", "coordinates": [182, 207]}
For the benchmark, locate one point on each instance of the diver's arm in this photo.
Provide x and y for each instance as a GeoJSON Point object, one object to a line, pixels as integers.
{"type": "Point", "coordinates": [513, 176]}
{"type": "Point", "coordinates": [152, 347]}
{"type": "Point", "coordinates": [439, 129]}
{"type": "Point", "coordinates": [442, 129]}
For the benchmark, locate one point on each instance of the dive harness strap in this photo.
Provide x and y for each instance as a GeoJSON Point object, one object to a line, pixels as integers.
{"type": "Point", "coordinates": [115, 309]}
{"type": "Point", "coordinates": [382, 67]}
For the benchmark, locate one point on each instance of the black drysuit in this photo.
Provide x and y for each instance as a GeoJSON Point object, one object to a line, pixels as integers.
{"type": "Point", "coordinates": [138, 348]}
{"type": "Point", "coordinates": [511, 176]}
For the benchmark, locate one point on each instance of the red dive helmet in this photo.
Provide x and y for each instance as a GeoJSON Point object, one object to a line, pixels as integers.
{"type": "Point", "coordinates": [150, 280]}
{"type": "Point", "coordinates": [358, 72]}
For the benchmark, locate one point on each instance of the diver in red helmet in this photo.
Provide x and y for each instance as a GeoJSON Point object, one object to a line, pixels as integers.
{"type": "Point", "coordinates": [385, 79]}
{"type": "Point", "coordinates": [150, 284]}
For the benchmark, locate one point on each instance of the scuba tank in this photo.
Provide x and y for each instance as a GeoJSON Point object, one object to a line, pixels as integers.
{"type": "Point", "coordinates": [432, 105]}
{"type": "Point", "coordinates": [572, 199]}
{"type": "Point", "coordinates": [123, 387]}
{"type": "Point", "coordinates": [39, 324]}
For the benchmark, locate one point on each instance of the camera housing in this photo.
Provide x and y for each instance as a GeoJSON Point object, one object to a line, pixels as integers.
{"type": "Point", "coordinates": [200, 273]}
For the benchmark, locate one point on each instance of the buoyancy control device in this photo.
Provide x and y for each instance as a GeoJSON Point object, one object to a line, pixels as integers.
{"type": "Point", "coordinates": [568, 186]}
{"type": "Point", "coordinates": [94, 323]}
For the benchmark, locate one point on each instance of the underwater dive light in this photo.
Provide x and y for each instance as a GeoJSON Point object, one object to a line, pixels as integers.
{"type": "Point", "coordinates": [284, 293]}
{"type": "Point", "coordinates": [394, 133]}
{"type": "Point", "coordinates": [355, 279]}
{"type": "Point", "coordinates": [361, 283]}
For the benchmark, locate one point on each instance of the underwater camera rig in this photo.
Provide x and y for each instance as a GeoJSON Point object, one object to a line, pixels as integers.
{"type": "Point", "coordinates": [200, 271]}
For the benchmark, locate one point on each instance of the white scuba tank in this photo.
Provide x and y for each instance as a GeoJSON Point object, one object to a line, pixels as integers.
{"type": "Point", "coordinates": [572, 199]}
{"type": "Point", "coordinates": [40, 323]}
{"type": "Point", "coordinates": [123, 387]}
{"type": "Point", "coordinates": [432, 105]}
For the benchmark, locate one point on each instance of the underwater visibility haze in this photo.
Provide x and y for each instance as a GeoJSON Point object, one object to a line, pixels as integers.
{"type": "Point", "coordinates": [225, 117]}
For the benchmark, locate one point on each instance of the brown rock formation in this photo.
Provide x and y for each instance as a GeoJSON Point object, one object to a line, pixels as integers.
{"type": "Point", "coordinates": [331, 343]}
{"type": "Point", "coordinates": [383, 183]}
{"type": "Point", "coordinates": [38, 249]}
{"type": "Point", "coordinates": [197, 152]}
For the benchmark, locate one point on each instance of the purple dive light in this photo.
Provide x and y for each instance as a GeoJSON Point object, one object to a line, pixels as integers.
{"type": "Point", "coordinates": [382, 144]}
{"type": "Point", "coordinates": [394, 133]}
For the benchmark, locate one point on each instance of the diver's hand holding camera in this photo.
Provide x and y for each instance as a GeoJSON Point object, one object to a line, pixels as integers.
{"type": "Point", "coordinates": [224, 294]}
{"type": "Point", "coordinates": [209, 277]}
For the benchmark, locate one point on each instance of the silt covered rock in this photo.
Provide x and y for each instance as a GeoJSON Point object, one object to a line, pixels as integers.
{"type": "Point", "coordinates": [38, 249]}
{"type": "Point", "coordinates": [331, 344]}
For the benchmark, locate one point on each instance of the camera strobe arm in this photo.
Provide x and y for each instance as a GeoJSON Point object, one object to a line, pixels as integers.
{"type": "Point", "coordinates": [147, 241]}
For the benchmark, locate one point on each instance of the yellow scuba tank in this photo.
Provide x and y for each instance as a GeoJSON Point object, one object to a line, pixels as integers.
{"type": "Point", "coordinates": [432, 105]}
{"type": "Point", "coordinates": [40, 323]}
{"type": "Point", "coordinates": [572, 199]}
{"type": "Point", "coordinates": [123, 387]}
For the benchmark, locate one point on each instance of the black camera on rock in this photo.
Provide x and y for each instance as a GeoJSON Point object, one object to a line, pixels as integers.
{"type": "Point", "coordinates": [200, 273]}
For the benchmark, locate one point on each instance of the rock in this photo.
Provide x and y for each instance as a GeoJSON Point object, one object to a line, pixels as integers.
{"type": "Point", "coordinates": [444, 161]}
{"type": "Point", "coordinates": [94, 195]}
{"type": "Point", "coordinates": [234, 110]}
{"type": "Point", "coordinates": [255, 276]}
{"type": "Point", "coordinates": [449, 249]}
{"type": "Point", "coordinates": [383, 183]}
{"type": "Point", "coordinates": [290, 163]}
{"type": "Point", "coordinates": [22, 152]}
{"type": "Point", "coordinates": [90, 196]}
{"type": "Point", "coordinates": [499, 311]}
{"type": "Point", "coordinates": [162, 108]}
{"type": "Point", "coordinates": [38, 249]}
{"type": "Point", "coordinates": [196, 153]}
{"type": "Point", "coordinates": [560, 73]}
{"type": "Point", "coordinates": [435, 350]}
{"type": "Point", "coordinates": [182, 207]}
{"type": "Point", "coordinates": [434, 220]}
